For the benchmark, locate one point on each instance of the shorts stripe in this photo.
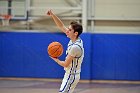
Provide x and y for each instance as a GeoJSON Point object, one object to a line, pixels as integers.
{"type": "Point", "coordinates": [68, 78]}
{"type": "Point", "coordinates": [74, 74]}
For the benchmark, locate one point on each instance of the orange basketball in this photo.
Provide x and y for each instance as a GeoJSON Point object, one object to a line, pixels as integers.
{"type": "Point", "coordinates": [55, 49]}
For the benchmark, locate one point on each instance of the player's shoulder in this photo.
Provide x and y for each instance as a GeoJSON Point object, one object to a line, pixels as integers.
{"type": "Point", "coordinates": [79, 41]}
{"type": "Point", "coordinates": [76, 47]}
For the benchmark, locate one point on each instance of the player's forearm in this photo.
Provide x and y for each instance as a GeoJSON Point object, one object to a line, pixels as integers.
{"type": "Point", "coordinates": [58, 22]}
{"type": "Point", "coordinates": [61, 63]}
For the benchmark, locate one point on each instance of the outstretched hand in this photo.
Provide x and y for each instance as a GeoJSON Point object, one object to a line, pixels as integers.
{"type": "Point", "coordinates": [49, 12]}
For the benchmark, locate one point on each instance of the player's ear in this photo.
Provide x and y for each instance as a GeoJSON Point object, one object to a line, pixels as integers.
{"type": "Point", "coordinates": [76, 33]}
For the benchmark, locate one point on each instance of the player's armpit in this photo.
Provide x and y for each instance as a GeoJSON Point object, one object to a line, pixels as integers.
{"type": "Point", "coordinates": [68, 60]}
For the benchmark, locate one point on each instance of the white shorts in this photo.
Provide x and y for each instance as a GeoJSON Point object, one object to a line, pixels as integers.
{"type": "Point", "coordinates": [69, 83]}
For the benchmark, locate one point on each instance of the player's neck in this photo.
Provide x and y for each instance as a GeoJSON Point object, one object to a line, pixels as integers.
{"type": "Point", "coordinates": [74, 39]}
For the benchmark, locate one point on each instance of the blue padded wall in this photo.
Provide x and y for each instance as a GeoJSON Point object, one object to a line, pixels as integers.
{"type": "Point", "coordinates": [116, 57]}
{"type": "Point", "coordinates": [25, 55]}
{"type": "Point", "coordinates": [107, 56]}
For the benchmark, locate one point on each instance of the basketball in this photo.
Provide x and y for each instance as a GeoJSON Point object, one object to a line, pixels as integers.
{"type": "Point", "coordinates": [55, 49]}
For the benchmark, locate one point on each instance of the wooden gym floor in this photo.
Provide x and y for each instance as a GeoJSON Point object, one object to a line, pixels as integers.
{"type": "Point", "coordinates": [39, 86]}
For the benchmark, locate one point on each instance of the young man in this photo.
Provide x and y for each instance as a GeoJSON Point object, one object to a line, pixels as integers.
{"type": "Point", "coordinates": [75, 54]}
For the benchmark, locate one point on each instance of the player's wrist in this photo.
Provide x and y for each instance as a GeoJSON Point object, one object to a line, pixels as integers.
{"type": "Point", "coordinates": [57, 60]}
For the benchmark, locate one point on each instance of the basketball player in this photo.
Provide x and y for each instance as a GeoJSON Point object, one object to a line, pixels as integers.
{"type": "Point", "coordinates": [75, 54]}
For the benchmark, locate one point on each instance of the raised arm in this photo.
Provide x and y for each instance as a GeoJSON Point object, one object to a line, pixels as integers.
{"type": "Point", "coordinates": [58, 22]}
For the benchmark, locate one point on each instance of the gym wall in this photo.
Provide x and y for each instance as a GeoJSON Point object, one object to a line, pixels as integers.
{"type": "Point", "coordinates": [107, 56]}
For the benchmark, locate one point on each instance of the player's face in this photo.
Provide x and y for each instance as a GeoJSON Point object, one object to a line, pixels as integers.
{"type": "Point", "coordinates": [70, 32]}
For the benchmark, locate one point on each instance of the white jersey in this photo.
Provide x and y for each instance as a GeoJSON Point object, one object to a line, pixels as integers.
{"type": "Point", "coordinates": [76, 50]}
{"type": "Point", "coordinates": [72, 74]}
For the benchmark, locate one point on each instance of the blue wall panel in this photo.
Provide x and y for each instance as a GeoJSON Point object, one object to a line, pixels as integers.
{"type": "Point", "coordinates": [107, 56]}
{"type": "Point", "coordinates": [116, 57]}
{"type": "Point", "coordinates": [25, 55]}
{"type": "Point", "coordinates": [86, 65]}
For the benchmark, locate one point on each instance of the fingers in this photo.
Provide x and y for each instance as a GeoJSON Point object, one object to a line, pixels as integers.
{"type": "Point", "coordinates": [49, 12]}
{"type": "Point", "coordinates": [53, 58]}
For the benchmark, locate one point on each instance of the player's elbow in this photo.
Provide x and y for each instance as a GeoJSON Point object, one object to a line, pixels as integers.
{"type": "Point", "coordinates": [66, 65]}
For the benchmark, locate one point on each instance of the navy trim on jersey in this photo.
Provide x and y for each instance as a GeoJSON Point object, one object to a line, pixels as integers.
{"type": "Point", "coordinates": [79, 40]}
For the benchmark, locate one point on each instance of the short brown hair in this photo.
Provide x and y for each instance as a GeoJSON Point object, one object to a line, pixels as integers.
{"type": "Point", "coordinates": [77, 27]}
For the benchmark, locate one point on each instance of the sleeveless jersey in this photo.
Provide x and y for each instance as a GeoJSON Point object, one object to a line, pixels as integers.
{"type": "Point", "coordinates": [76, 50]}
